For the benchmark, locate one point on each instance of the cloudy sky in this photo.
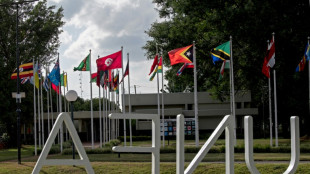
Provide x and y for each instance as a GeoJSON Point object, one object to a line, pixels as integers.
{"type": "Point", "coordinates": [104, 26]}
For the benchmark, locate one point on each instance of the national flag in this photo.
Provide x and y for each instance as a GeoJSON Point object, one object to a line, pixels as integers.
{"type": "Point", "coordinates": [25, 70]}
{"type": "Point", "coordinates": [269, 59]}
{"type": "Point", "coordinates": [55, 88]}
{"type": "Point", "coordinates": [36, 75]}
{"type": "Point", "coordinates": [54, 75]}
{"type": "Point", "coordinates": [109, 62]}
{"type": "Point", "coordinates": [63, 79]}
{"type": "Point", "coordinates": [84, 65]}
{"type": "Point", "coordinates": [155, 62]}
{"type": "Point", "coordinates": [181, 55]}
{"type": "Point", "coordinates": [183, 67]}
{"type": "Point", "coordinates": [154, 74]}
{"type": "Point", "coordinates": [24, 80]}
{"type": "Point", "coordinates": [300, 67]}
{"type": "Point", "coordinates": [221, 52]}
{"type": "Point", "coordinates": [160, 65]}
{"type": "Point", "coordinates": [45, 84]}
{"type": "Point", "coordinates": [116, 81]}
{"type": "Point", "coordinates": [225, 65]}
{"type": "Point", "coordinates": [93, 78]}
{"type": "Point", "coordinates": [307, 52]}
{"type": "Point", "coordinates": [126, 72]}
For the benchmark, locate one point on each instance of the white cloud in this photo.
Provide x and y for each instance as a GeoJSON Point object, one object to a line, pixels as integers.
{"type": "Point", "coordinates": [104, 26]}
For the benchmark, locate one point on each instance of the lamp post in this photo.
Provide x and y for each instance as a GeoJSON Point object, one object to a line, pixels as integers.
{"type": "Point", "coordinates": [18, 95]}
{"type": "Point", "coordinates": [71, 96]}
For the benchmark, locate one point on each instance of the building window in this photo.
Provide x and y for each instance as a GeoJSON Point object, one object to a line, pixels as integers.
{"type": "Point", "coordinates": [238, 105]}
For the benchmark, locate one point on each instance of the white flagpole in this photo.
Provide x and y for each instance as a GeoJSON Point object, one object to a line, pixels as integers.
{"type": "Point", "coordinates": [65, 102]}
{"type": "Point", "coordinates": [158, 100]}
{"type": "Point", "coordinates": [233, 90]}
{"type": "Point", "coordinates": [275, 101]}
{"type": "Point", "coordinates": [123, 107]}
{"type": "Point", "coordinates": [34, 115]}
{"type": "Point", "coordinates": [270, 107]}
{"type": "Point", "coordinates": [195, 97]}
{"type": "Point", "coordinates": [100, 120]}
{"type": "Point", "coordinates": [110, 111]}
{"type": "Point", "coordinates": [60, 111]}
{"type": "Point", "coordinates": [91, 104]}
{"type": "Point", "coordinates": [57, 104]}
{"type": "Point", "coordinates": [162, 96]}
{"type": "Point", "coordinates": [129, 102]}
{"type": "Point", "coordinates": [39, 115]}
{"type": "Point", "coordinates": [106, 115]}
{"type": "Point", "coordinates": [42, 118]}
{"type": "Point", "coordinates": [51, 97]}
{"type": "Point", "coordinates": [48, 109]}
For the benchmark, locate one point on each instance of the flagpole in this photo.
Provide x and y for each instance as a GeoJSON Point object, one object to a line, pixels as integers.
{"type": "Point", "coordinates": [34, 115]}
{"type": "Point", "coordinates": [275, 101]}
{"type": "Point", "coordinates": [106, 115]}
{"type": "Point", "coordinates": [162, 96]}
{"type": "Point", "coordinates": [309, 74]}
{"type": "Point", "coordinates": [60, 111]}
{"type": "Point", "coordinates": [42, 118]}
{"type": "Point", "coordinates": [233, 89]}
{"type": "Point", "coordinates": [158, 101]}
{"type": "Point", "coordinates": [129, 101]}
{"type": "Point", "coordinates": [39, 114]}
{"type": "Point", "coordinates": [63, 72]}
{"type": "Point", "coordinates": [51, 97]}
{"type": "Point", "coordinates": [270, 107]}
{"type": "Point", "coordinates": [123, 107]}
{"type": "Point", "coordinates": [91, 104]}
{"type": "Point", "coordinates": [100, 120]}
{"type": "Point", "coordinates": [195, 97]}
{"type": "Point", "coordinates": [110, 111]}
{"type": "Point", "coordinates": [47, 102]}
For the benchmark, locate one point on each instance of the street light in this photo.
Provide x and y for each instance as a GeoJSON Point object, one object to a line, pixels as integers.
{"type": "Point", "coordinates": [71, 96]}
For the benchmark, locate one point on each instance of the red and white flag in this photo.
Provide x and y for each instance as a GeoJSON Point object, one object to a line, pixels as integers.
{"type": "Point", "coordinates": [269, 59]}
{"type": "Point", "coordinates": [112, 61]}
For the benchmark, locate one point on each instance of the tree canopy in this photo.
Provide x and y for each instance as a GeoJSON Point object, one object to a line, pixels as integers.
{"type": "Point", "coordinates": [39, 27]}
{"type": "Point", "coordinates": [250, 23]}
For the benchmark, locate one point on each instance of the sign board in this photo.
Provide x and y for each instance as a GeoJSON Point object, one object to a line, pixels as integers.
{"type": "Point", "coordinates": [170, 127]}
{"type": "Point", "coordinates": [21, 95]}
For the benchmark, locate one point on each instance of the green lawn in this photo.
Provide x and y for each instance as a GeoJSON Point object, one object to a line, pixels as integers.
{"type": "Point", "coordinates": [142, 168]}
{"type": "Point", "coordinates": [11, 154]}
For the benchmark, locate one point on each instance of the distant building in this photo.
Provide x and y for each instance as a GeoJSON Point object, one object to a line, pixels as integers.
{"type": "Point", "coordinates": [210, 110]}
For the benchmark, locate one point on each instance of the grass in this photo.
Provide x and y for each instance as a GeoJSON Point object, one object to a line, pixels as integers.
{"type": "Point", "coordinates": [142, 168]}
{"type": "Point", "coordinates": [11, 154]}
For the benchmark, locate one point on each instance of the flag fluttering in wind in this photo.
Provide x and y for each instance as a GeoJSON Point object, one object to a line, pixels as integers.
{"type": "Point", "coordinates": [54, 76]}
{"type": "Point", "coordinates": [63, 79]}
{"type": "Point", "coordinates": [181, 55]}
{"type": "Point", "coordinates": [183, 67]}
{"type": "Point", "coordinates": [301, 66]}
{"type": "Point", "coordinates": [93, 77]}
{"type": "Point", "coordinates": [36, 75]}
{"type": "Point", "coordinates": [109, 62]}
{"type": "Point", "coordinates": [116, 82]}
{"type": "Point", "coordinates": [269, 59]}
{"type": "Point", "coordinates": [84, 65]}
{"type": "Point", "coordinates": [25, 70]}
{"type": "Point", "coordinates": [155, 62]}
{"type": "Point", "coordinates": [24, 80]}
{"type": "Point", "coordinates": [154, 74]}
{"type": "Point", "coordinates": [127, 72]}
{"type": "Point", "coordinates": [160, 65]}
{"type": "Point", "coordinates": [45, 84]}
{"type": "Point", "coordinates": [221, 52]}
{"type": "Point", "coordinates": [225, 65]}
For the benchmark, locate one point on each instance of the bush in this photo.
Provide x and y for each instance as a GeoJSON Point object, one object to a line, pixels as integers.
{"type": "Point", "coordinates": [55, 149]}
{"type": "Point", "coordinates": [135, 138]}
{"type": "Point", "coordinates": [115, 142]}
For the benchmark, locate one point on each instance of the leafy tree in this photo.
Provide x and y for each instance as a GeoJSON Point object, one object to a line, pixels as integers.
{"type": "Point", "coordinates": [250, 23]}
{"type": "Point", "coordinates": [39, 29]}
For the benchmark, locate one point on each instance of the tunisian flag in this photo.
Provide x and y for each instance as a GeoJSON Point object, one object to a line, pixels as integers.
{"type": "Point", "coordinates": [111, 61]}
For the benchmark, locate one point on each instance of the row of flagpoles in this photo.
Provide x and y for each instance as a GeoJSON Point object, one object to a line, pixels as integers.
{"type": "Point", "coordinates": [104, 77]}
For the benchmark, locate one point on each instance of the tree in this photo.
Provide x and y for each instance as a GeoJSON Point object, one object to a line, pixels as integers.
{"type": "Point", "coordinates": [39, 29]}
{"type": "Point", "coordinates": [250, 23]}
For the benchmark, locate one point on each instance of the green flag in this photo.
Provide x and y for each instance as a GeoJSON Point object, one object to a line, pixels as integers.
{"type": "Point", "coordinates": [154, 74]}
{"type": "Point", "coordinates": [221, 52]}
{"type": "Point", "coordinates": [84, 65]}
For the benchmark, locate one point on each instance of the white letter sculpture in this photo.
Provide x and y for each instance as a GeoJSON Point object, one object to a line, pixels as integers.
{"type": "Point", "coordinates": [228, 124]}
{"type": "Point", "coordinates": [84, 161]}
{"type": "Point", "coordinates": [155, 149]}
{"type": "Point", "coordinates": [295, 145]}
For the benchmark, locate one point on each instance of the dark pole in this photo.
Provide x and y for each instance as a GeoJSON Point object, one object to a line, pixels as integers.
{"type": "Point", "coordinates": [73, 150]}
{"type": "Point", "coordinates": [18, 95]}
